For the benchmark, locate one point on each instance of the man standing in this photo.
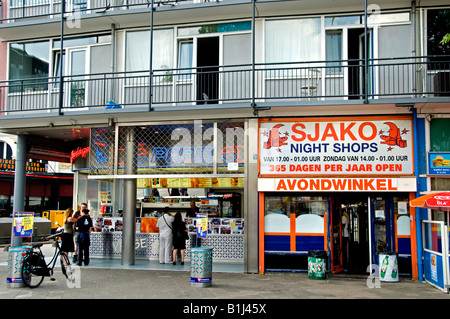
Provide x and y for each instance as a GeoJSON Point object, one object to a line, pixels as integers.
{"type": "Point", "coordinates": [165, 236]}
{"type": "Point", "coordinates": [84, 227]}
{"type": "Point", "coordinates": [77, 215]}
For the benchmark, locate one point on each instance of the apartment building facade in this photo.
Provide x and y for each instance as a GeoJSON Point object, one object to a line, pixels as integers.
{"type": "Point", "coordinates": [297, 125]}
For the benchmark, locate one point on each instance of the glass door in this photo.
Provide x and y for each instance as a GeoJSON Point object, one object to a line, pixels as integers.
{"type": "Point", "coordinates": [77, 77]}
{"type": "Point", "coordinates": [336, 233]}
{"type": "Point", "coordinates": [382, 227]}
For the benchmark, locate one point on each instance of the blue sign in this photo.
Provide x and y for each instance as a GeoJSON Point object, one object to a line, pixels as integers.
{"type": "Point", "coordinates": [438, 163]}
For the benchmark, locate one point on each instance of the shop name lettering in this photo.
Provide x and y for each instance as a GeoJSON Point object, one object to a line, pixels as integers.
{"type": "Point", "coordinates": [326, 147]}
{"type": "Point", "coordinates": [338, 184]}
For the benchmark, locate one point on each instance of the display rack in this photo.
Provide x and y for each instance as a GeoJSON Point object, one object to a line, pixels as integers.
{"type": "Point", "coordinates": [211, 207]}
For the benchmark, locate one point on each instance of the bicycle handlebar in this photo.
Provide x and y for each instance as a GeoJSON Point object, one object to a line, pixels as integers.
{"type": "Point", "coordinates": [54, 236]}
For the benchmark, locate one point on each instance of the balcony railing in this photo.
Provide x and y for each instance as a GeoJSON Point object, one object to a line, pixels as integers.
{"type": "Point", "coordinates": [17, 10]}
{"type": "Point", "coordinates": [322, 82]}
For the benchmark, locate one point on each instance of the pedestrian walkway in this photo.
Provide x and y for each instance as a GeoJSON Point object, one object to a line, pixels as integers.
{"type": "Point", "coordinates": [174, 283]}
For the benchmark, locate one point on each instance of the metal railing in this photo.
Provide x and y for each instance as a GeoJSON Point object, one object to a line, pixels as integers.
{"type": "Point", "coordinates": [16, 10]}
{"type": "Point", "coordinates": [321, 82]}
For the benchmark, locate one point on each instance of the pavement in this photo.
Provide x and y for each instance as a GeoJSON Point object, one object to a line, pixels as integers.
{"type": "Point", "coordinates": [234, 290]}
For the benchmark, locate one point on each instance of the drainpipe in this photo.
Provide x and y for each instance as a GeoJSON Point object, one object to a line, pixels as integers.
{"type": "Point", "coordinates": [418, 216]}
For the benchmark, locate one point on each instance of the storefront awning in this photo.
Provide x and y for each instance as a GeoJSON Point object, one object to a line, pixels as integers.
{"type": "Point", "coordinates": [436, 201]}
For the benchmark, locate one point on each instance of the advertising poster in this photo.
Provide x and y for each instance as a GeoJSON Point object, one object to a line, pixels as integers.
{"type": "Point", "coordinates": [438, 163]}
{"type": "Point", "coordinates": [202, 225]}
{"type": "Point", "coordinates": [333, 147]}
{"type": "Point", "coordinates": [23, 224]}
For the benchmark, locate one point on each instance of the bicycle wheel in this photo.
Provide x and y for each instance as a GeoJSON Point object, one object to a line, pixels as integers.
{"type": "Point", "coordinates": [32, 270]}
{"type": "Point", "coordinates": [65, 266]}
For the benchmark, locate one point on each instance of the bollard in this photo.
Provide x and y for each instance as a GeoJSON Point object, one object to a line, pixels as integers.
{"type": "Point", "coordinates": [201, 267]}
{"type": "Point", "coordinates": [14, 279]}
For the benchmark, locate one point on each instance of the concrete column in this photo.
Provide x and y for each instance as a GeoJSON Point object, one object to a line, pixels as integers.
{"type": "Point", "coordinates": [251, 200]}
{"type": "Point", "coordinates": [19, 183]}
{"type": "Point", "coordinates": [129, 201]}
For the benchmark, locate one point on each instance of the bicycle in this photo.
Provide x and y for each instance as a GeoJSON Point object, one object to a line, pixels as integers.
{"type": "Point", "coordinates": [34, 267]}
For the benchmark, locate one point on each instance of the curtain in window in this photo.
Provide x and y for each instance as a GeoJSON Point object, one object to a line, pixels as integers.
{"type": "Point", "coordinates": [293, 40]}
{"type": "Point", "coordinates": [185, 62]}
{"type": "Point", "coordinates": [138, 50]}
{"type": "Point", "coordinates": [333, 52]}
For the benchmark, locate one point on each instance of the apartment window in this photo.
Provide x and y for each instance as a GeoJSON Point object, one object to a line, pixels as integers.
{"type": "Point", "coordinates": [137, 50]}
{"type": "Point", "coordinates": [438, 22]}
{"type": "Point", "coordinates": [293, 40]}
{"type": "Point", "coordinates": [29, 61]}
{"type": "Point", "coordinates": [334, 52]}
{"type": "Point", "coordinates": [185, 61]}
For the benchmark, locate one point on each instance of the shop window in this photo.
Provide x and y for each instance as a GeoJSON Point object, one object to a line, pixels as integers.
{"type": "Point", "coordinates": [308, 211]}
{"type": "Point", "coordinates": [440, 135]}
{"type": "Point", "coordinates": [5, 151]}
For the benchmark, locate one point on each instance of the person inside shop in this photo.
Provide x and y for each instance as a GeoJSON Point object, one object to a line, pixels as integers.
{"type": "Point", "coordinates": [193, 210]}
{"type": "Point", "coordinates": [165, 236]}
{"type": "Point", "coordinates": [77, 215]}
{"type": "Point", "coordinates": [67, 242]}
{"type": "Point", "coordinates": [345, 239]}
{"type": "Point", "coordinates": [192, 213]}
{"type": "Point", "coordinates": [180, 236]}
{"type": "Point", "coordinates": [84, 228]}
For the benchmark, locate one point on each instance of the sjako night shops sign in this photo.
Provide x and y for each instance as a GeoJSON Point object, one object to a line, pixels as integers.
{"type": "Point", "coordinates": [336, 147]}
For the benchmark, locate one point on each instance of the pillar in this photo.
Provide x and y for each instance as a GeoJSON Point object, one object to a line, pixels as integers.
{"type": "Point", "coordinates": [19, 183]}
{"type": "Point", "coordinates": [129, 201]}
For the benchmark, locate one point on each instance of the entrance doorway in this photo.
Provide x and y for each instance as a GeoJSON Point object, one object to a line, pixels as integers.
{"type": "Point", "coordinates": [356, 58]}
{"type": "Point", "coordinates": [207, 70]}
{"type": "Point", "coordinates": [350, 234]}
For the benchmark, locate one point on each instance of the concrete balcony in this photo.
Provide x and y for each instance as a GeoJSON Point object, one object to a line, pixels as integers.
{"type": "Point", "coordinates": [320, 83]}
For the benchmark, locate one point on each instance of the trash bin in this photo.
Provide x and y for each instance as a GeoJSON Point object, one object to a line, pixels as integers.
{"type": "Point", "coordinates": [201, 266]}
{"type": "Point", "coordinates": [317, 264]}
{"type": "Point", "coordinates": [388, 266]}
{"type": "Point", "coordinates": [14, 278]}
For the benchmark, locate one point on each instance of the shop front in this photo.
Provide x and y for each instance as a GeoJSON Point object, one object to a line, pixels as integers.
{"type": "Point", "coordinates": [190, 167]}
{"type": "Point", "coordinates": [340, 185]}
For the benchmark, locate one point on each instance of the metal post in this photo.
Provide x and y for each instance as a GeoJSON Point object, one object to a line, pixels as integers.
{"type": "Point", "coordinates": [418, 211]}
{"type": "Point", "coordinates": [61, 54]}
{"type": "Point", "coordinates": [129, 202]}
{"type": "Point", "coordinates": [19, 184]}
{"type": "Point", "coordinates": [253, 54]}
{"type": "Point", "coordinates": [150, 80]}
{"type": "Point", "coordinates": [366, 75]}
